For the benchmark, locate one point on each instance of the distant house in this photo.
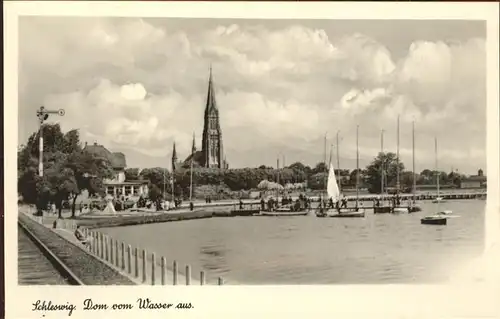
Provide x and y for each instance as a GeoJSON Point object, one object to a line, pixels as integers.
{"type": "Point", "coordinates": [474, 181]}
{"type": "Point", "coordinates": [117, 186]}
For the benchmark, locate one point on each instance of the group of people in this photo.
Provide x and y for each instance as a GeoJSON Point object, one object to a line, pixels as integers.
{"type": "Point", "coordinates": [302, 202]}
{"type": "Point", "coordinates": [394, 200]}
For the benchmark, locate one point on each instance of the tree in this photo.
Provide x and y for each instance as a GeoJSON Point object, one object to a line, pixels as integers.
{"type": "Point", "coordinates": [320, 167]}
{"type": "Point", "coordinates": [131, 174]}
{"type": "Point", "coordinates": [89, 171]}
{"type": "Point", "coordinates": [373, 171]}
{"type": "Point", "coordinates": [67, 169]}
{"type": "Point", "coordinates": [353, 177]}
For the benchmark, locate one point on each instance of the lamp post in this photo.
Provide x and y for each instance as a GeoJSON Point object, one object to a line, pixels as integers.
{"type": "Point", "coordinates": [43, 115]}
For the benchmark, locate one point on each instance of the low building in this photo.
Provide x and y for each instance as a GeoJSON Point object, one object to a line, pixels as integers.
{"type": "Point", "coordinates": [118, 186]}
{"type": "Point", "coordinates": [474, 181]}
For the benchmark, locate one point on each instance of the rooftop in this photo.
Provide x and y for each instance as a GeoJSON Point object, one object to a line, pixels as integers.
{"type": "Point", "coordinates": [117, 159]}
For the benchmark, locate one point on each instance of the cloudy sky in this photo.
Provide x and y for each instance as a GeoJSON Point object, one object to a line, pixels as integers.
{"type": "Point", "coordinates": [136, 85]}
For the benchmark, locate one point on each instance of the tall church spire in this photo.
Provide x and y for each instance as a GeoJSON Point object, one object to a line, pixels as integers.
{"type": "Point", "coordinates": [211, 143]}
{"type": "Point", "coordinates": [211, 103]}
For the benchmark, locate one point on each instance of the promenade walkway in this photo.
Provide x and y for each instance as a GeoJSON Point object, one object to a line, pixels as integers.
{"type": "Point", "coordinates": [141, 266]}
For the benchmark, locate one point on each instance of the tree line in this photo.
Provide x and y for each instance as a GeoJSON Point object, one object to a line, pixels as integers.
{"type": "Point", "coordinates": [69, 170]}
{"type": "Point", "coordinates": [314, 178]}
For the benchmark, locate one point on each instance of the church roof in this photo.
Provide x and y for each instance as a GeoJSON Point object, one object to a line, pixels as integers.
{"type": "Point", "coordinates": [198, 159]}
{"type": "Point", "coordinates": [117, 159]}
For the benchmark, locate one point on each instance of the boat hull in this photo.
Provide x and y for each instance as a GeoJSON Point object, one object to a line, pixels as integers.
{"type": "Point", "coordinates": [343, 213]}
{"type": "Point", "coordinates": [433, 221]}
{"type": "Point", "coordinates": [360, 214]}
{"type": "Point", "coordinates": [283, 213]}
{"type": "Point", "coordinates": [244, 212]}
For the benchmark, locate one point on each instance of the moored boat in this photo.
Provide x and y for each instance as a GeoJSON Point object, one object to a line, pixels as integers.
{"type": "Point", "coordinates": [280, 212]}
{"type": "Point", "coordinates": [434, 220]}
{"type": "Point", "coordinates": [441, 217]}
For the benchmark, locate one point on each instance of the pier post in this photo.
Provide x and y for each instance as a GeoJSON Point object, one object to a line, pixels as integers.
{"type": "Point", "coordinates": [153, 268]}
{"type": "Point", "coordinates": [136, 262]}
{"type": "Point", "coordinates": [98, 244]}
{"type": "Point", "coordinates": [188, 275]}
{"type": "Point", "coordinates": [202, 278]}
{"type": "Point", "coordinates": [129, 259]}
{"type": "Point", "coordinates": [163, 265]}
{"type": "Point", "coordinates": [174, 281]}
{"type": "Point", "coordinates": [94, 246]}
{"type": "Point", "coordinates": [123, 255]}
{"type": "Point", "coordinates": [101, 253]}
{"type": "Point", "coordinates": [111, 248]}
{"type": "Point", "coordinates": [220, 281]}
{"type": "Point", "coordinates": [106, 248]}
{"type": "Point", "coordinates": [144, 265]}
{"type": "Point", "coordinates": [92, 243]}
{"type": "Point", "coordinates": [117, 260]}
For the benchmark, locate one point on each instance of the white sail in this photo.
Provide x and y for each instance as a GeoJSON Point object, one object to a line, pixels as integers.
{"type": "Point", "coordinates": [332, 187]}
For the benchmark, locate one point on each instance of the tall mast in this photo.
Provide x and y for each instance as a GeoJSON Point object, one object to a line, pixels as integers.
{"type": "Point", "coordinates": [382, 169]}
{"type": "Point", "coordinates": [414, 188]}
{"type": "Point", "coordinates": [326, 172]}
{"type": "Point", "coordinates": [338, 163]}
{"type": "Point", "coordinates": [357, 165]}
{"type": "Point", "coordinates": [437, 172]}
{"type": "Point", "coordinates": [397, 161]}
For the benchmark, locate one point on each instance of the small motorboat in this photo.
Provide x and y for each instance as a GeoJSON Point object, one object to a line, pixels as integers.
{"type": "Point", "coordinates": [434, 220]}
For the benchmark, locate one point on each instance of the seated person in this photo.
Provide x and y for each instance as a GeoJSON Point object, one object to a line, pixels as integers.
{"type": "Point", "coordinates": [81, 238]}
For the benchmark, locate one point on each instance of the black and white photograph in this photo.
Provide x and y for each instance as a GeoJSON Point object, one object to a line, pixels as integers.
{"type": "Point", "coordinates": [180, 151]}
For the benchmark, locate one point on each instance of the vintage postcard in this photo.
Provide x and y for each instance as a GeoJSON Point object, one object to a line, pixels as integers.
{"type": "Point", "coordinates": [320, 155]}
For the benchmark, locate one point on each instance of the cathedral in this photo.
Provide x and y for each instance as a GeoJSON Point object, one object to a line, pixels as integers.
{"type": "Point", "coordinates": [211, 154]}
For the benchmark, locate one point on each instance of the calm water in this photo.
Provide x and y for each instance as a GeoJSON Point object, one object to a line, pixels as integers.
{"type": "Point", "coordinates": [309, 250]}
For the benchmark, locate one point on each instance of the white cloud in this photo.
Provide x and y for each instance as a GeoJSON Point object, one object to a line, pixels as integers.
{"type": "Point", "coordinates": [134, 85]}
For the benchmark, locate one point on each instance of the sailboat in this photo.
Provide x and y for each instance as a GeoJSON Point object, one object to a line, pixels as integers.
{"type": "Point", "coordinates": [440, 217]}
{"type": "Point", "coordinates": [333, 193]}
{"type": "Point", "coordinates": [348, 212]}
{"type": "Point", "coordinates": [331, 188]}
